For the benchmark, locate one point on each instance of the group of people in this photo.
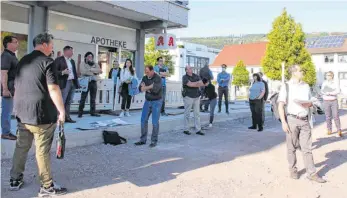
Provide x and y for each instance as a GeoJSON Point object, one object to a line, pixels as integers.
{"type": "Point", "coordinates": [40, 89]}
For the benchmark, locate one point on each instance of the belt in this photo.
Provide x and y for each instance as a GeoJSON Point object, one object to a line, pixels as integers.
{"type": "Point", "coordinates": [298, 117]}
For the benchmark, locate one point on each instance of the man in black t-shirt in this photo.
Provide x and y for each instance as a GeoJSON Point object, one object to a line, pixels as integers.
{"type": "Point", "coordinates": [37, 99]}
{"type": "Point", "coordinates": [8, 70]}
{"type": "Point", "coordinates": [191, 98]}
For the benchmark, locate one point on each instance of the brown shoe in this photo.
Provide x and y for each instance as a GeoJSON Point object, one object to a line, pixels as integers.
{"type": "Point", "coordinates": [316, 178]}
{"type": "Point", "coordinates": [294, 174]}
{"type": "Point", "coordinates": [329, 132]}
{"type": "Point", "coordinates": [340, 133]}
{"type": "Point", "coordinates": [9, 137]}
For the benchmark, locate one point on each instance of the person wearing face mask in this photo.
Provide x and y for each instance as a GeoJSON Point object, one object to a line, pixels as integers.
{"type": "Point", "coordinates": [223, 80]}
{"type": "Point", "coordinates": [91, 71]}
{"type": "Point", "coordinates": [114, 74]}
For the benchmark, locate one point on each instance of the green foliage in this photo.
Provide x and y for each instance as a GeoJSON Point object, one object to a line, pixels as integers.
{"type": "Point", "coordinates": [240, 75]}
{"type": "Point", "coordinates": [286, 44]}
{"type": "Point", "coordinates": [151, 55]}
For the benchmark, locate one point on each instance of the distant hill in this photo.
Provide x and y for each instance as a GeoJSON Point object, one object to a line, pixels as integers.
{"type": "Point", "coordinates": [219, 42]}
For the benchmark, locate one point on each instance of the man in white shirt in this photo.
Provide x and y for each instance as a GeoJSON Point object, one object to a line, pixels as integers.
{"type": "Point", "coordinates": [68, 80]}
{"type": "Point", "coordinates": [295, 122]}
{"type": "Point", "coordinates": [330, 90]}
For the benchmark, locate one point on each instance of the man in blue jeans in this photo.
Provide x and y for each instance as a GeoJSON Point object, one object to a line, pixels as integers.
{"type": "Point", "coordinates": [8, 71]}
{"type": "Point", "coordinates": [152, 85]}
{"type": "Point", "coordinates": [163, 72]}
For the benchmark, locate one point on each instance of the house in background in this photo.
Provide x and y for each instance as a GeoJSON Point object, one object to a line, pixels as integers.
{"type": "Point", "coordinates": [329, 53]}
{"type": "Point", "coordinates": [194, 55]}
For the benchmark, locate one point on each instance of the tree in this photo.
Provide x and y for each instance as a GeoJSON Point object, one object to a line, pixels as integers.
{"type": "Point", "coordinates": [151, 55]}
{"type": "Point", "coordinates": [240, 75]}
{"type": "Point", "coordinates": [287, 44]}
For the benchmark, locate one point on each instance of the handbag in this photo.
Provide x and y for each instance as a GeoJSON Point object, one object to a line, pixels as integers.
{"type": "Point", "coordinates": [113, 138]}
{"type": "Point", "coordinates": [61, 142]}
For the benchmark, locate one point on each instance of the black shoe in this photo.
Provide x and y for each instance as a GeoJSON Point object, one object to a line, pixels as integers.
{"type": "Point", "coordinates": [200, 133]}
{"type": "Point", "coordinates": [153, 145]}
{"type": "Point", "coordinates": [227, 112]}
{"type": "Point", "coordinates": [51, 191]}
{"type": "Point", "coordinates": [219, 111]}
{"type": "Point", "coordinates": [260, 129]}
{"type": "Point", "coordinates": [95, 115]}
{"type": "Point", "coordinates": [80, 115]}
{"type": "Point", "coordinates": [164, 114]}
{"type": "Point", "coordinates": [252, 127]}
{"type": "Point", "coordinates": [69, 120]}
{"type": "Point", "coordinates": [15, 185]}
{"type": "Point", "coordinates": [139, 143]}
{"type": "Point", "coordinates": [187, 132]}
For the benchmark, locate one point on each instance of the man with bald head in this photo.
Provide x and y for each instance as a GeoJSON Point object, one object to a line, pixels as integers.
{"type": "Point", "coordinates": [191, 98]}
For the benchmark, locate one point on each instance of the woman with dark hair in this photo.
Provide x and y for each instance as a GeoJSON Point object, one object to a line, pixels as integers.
{"type": "Point", "coordinates": [256, 94]}
{"type": "Point", "coordinates": [90, 71]}
{"type": "Point", "coordinates": [126, 77]}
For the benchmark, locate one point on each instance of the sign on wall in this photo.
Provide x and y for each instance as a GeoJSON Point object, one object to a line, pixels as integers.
{"type": "Point", "coordinates": [165, 41]}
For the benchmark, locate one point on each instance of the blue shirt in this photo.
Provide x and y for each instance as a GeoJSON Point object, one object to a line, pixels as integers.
{"type": "Point", "coordinates": [157, 69]}
{"type": "Point", "coordinates": [226, 77]}
{"type": "Point", "coordinates": [256, 89]}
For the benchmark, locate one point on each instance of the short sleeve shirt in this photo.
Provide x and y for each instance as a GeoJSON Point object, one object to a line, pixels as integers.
{"type": "Point", "coordinates": [297, 91]}
{"type": "Point", "coordinates": [192, 92]}
{"type": "Point", "coordinates": [32, 102]}
{"type": "Point", "coordinates": [256, 89]}
{"type": "Point", "coordinates": [9, 62]}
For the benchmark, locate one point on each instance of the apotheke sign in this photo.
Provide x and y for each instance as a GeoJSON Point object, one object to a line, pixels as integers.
{"type": "Point", "coordinates": [108, 42]}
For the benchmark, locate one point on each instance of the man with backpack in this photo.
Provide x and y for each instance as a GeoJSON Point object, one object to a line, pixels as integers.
{"type": "Point", "coordinates": [294, 109]}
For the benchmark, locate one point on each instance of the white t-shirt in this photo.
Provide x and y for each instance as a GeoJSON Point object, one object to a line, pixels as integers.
{"type": "Point", "coordinates": [126, 75]}
{"type": "Point", "coordinates": [297, 91]}
{"type": "Point", "coordinates": [69, 65]}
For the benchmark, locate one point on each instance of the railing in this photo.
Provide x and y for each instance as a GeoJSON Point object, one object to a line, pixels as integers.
{"type": "Point", "coordinates": [105, 101]}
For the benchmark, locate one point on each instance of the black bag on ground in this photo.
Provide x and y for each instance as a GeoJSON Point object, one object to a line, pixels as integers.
{"type": "Point", "coordinates": [112, 137]}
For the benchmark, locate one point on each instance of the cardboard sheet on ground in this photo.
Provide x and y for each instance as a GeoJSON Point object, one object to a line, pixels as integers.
{"type": "Point", "coordinates": [108, 123]}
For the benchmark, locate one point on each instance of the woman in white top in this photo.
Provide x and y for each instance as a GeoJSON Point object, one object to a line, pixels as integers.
{"type": "Point", "coordinates": [126, 75]}
{"type": "Point", "coordinates": [330, 90]}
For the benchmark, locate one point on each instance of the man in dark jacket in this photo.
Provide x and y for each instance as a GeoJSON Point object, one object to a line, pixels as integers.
{"type": "Point", "coordinates": [265, 95]}
{"type": "Point", "coordinates": [152, 85]}
{"type": "Point", "coordinates": [67, 78]}
{"type": "Point", "coordinates": [205, 73]}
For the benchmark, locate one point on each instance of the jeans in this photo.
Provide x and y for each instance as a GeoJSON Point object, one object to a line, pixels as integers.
{"type": "Point", "coordinates": [68, 93]}
{"type": "Point", "coordinates": [331, 109]}
{"type": "Point", "coordinates": [150, 107]}
{"type": "Point", "coordinates": [6, 112]}
{"type": "Point", "coordinates": [212, 103]}
{"type": "Point", "coordinates": [190, 103]}
{"type": "Point", "coordinates": [257, 112]}
{"type": "Point", "coordinates": [223, 91]}
{"type": "Point", "coordinates": [126, 98]}
{"type": "Point", "coordinates": [92, 87]}
{"type": "Point", "coordinates": [164, 97]}
{"type": "Point", "coordinates": [43, 135]}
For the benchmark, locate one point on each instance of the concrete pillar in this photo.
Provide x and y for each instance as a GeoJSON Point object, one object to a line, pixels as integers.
{"type": "Point", "coordinates": [140, 53]}
{"type": "Point", "coordinates": [38, 23]}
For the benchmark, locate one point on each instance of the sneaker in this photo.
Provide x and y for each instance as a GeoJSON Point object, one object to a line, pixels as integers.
{"type": "Point", "coordinates": [294, 174]}
{"type": "Point", "coordinates": [210, 125]}
{"type": "Point", "coordinates": [139, 143]}
{"type": "Point", "coordinates": [187, 132]}
{"type": "Point", "coordinates": [127, 114]}
{"type": "Point", "coordinates": [340, 133]}
{"type": "Point", "coordinates": [329, 132]}
{"type": "Point", "coordinates": [200, 133]}
{"type": "Point", "coordinates": [51, 191]}
{"type": "Point", "coordinates": [9, 136]}
{"type": "Point", "coordinates": [121, 114]}
{"type": "Point", "coordinates": [15, 185]}
{"type": "Point", "coordinates": [152, 145]}
{"type": "Point", "coordinates": [316, 178]}
{"type": "Point", "coordinates": [252, 127]}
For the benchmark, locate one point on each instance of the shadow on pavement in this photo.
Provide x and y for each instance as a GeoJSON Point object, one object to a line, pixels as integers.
{"type": "Point", "coordinates": [335, 159]}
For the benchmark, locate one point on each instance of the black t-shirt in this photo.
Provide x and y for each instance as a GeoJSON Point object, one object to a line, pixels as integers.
{"type": "Point", "coordinates": [32, 102]}
{"type": "Point", "coordinates": [155, 93]}
{"type": "Point", "coordinates": [9, 62]}
{"type": "Point", "coordinates": [191, 92]}
{"type": "Point", "coordinates": [210, 92]}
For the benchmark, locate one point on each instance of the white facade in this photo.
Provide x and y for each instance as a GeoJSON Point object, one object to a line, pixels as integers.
{"type": "Point", "coordinates": [195, 55]}
{"type": "Point", "coordinates": [337, 63]}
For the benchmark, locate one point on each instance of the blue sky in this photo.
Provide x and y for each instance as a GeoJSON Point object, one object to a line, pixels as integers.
{"type": "Point", "coordinates": [223, 18]}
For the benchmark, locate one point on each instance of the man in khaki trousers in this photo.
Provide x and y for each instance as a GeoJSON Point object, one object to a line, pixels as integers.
{"type": "Point", "coordinates": [37, 99]}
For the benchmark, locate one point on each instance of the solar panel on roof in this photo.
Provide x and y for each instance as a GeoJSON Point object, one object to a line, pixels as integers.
{"type": "Point", "coordinates": [326, 42]}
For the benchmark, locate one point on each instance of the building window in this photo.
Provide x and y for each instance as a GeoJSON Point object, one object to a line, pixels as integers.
{"type": "Point", "coordinates": [342, 58]}
{"type": "Point", "coordinates": [343, 75]}
{"type": "Point", "coordinates": [197, 63]}
{"type": "Point", "coordinates": [329, 58]}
